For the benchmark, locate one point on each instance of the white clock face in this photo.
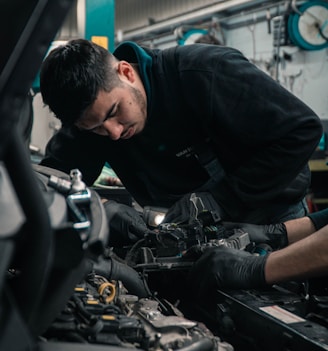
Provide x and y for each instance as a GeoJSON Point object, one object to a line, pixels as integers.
{"type": "Point", "coordinates": [314, 20]}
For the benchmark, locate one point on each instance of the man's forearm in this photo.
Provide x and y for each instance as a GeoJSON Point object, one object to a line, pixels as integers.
{"type": "Point", "coordinates": [298, 229]}
{"type": "Point", "coordinates": [303, 259]}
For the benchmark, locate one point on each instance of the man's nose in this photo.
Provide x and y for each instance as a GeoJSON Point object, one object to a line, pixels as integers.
{"type": "Point", "coordinates": [113, 129]}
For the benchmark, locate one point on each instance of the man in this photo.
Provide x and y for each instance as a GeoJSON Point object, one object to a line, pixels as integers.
{"type": "Point", "coordinates": [196, 118]}
{"type": "Point", "coordinates": [303, 254]}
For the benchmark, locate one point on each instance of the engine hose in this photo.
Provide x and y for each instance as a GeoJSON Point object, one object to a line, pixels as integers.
{"type": "Point", "coordinates": [109, 290]}
{"type": "Point", "coordinates": [113, 269]}
{"type": "Point", "coordinates": [201, 345]}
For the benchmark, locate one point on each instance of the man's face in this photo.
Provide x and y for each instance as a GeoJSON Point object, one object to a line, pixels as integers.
{"type": "Point", "coordinates": [120, 113]}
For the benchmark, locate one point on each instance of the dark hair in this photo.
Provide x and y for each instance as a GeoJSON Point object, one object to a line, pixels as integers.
{"type": "Point", "coordinates": [72, 75]}
{"type": "Point", "coordinates": [208, 39]}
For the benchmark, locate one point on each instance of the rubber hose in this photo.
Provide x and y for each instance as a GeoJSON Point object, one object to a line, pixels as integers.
{"type": "Point", "coordinates": [113, 269]}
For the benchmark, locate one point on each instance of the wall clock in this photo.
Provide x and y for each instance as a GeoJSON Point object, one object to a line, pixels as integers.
{"type": "Point", "coordinates": [308, 29]}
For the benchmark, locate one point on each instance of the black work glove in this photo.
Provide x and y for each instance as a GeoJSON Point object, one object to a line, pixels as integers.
{"type": "Point", "coordinates": [223, 267]}
{"type": "Point", "coordinates": [274, 235]}
{"type": "Point", "coordinates": [190, 206]}
{"type": "Point", "coordinates": [126, 225]}
{"type": "Point", "coordinates": [319, 218]}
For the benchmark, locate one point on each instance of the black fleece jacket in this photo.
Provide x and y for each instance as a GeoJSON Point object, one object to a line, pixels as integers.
{"type": "Point", "coordinates": [205, 103]}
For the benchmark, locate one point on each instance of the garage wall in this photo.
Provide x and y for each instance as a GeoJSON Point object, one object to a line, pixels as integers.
{"type": "Point", "coordinates": [305, 73]}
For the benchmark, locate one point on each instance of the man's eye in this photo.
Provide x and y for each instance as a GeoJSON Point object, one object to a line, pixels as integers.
{"type": "Point", "coordinates": [112, 113]}
{"type": "Point", "coordinates": [96, 129]}
{"type": "Point", "coordinates": [99, 130]}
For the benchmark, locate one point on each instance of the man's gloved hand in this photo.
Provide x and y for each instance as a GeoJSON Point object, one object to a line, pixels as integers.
{"type": "Point", "coordinates": [319, 218]}
{"type": "Point", "coordinates": [190, 206]}
{"type": "Point", "coordinates": [275, 235]}
{"type": "Point", "coordinates": [126, 225]}
{"type": "Point", "coordinates": [223, 267]}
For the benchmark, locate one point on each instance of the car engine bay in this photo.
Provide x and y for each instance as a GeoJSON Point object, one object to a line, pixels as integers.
{"type": "Point", "coordinates": [62, 287]}
{"type": "Point", "coordinates": [137, 297]}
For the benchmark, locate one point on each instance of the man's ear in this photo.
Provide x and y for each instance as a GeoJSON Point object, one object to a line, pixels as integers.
{"type": "Point", "coordinates": [125, 71]}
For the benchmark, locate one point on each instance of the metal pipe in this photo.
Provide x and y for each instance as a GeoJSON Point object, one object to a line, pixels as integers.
{"type": "Point", "coordinates": [224, 5]}
{"type": "Point", "coordinates": [133, 34]}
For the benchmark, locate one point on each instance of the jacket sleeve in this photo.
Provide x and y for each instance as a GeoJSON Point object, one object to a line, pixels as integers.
{"type": "Point", "coordinates": [71, 148]}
